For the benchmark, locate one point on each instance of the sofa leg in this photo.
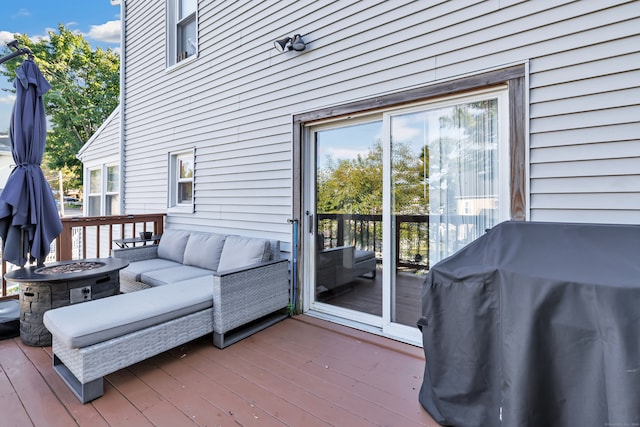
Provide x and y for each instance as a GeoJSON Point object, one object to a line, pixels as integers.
{"type": "Point", "coordinates": [218, 340]}
{"type": "Point", "coordinates": [370, 275]}
{"type": "Point", "coordinates": [85, 392]}
{"type": "Point", "coordinates": [226, 339]}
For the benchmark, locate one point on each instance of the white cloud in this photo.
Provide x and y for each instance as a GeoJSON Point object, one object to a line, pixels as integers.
{"type": "Point", "coordinates": [405, 129]}
{"type": "Point", "coordinates": [109, 32]}
{"type": "Point", "coordinates": [22, 12]}
{"type": "Point", "coordinates": [6, 37]}
{"type": "Point", "coordinates": [7, 99]}
{"type": "Point", "coordinates": [38, 37]}
{"type": "Point", "coordinates": [345, 153]}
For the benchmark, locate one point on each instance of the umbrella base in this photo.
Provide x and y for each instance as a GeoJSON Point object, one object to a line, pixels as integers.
{"type": "Point", "coordinates": [9, 319]}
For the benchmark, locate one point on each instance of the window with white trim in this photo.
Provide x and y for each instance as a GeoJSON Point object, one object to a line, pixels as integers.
{"type": "Point", "coordinates": [103, 197]}
{"type": "Point", "coordinates": [94, 198]}
{"type": "Point", "coordinates": [112, 193]}
{"type": "Point", "coordinates": [182, 30]}
{"type": "Point", "coordinates": [181, 167]}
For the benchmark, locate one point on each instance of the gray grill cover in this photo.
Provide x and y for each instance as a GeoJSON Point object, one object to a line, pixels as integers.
{"type": "Point", "coordinates": [537, 323]}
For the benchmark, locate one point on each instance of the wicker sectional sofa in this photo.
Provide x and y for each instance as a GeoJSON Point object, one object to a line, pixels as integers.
{"type": "Point", "coordinates": [189, 285]}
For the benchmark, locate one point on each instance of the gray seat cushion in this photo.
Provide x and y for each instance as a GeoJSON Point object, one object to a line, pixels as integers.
{"type": "Point", "coordinates": [166, 276]}
{"type": "Point", "coordinates": [84, 324]}
{"type": "Point", "coordinates": [363, 255]}
{"type": "Point", "coordinates": [134, 270]}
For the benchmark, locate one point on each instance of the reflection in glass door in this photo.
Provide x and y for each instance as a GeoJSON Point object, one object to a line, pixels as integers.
{"type": "Point", "coordinates": [348, 217]}
{"type": "Point", "coordinates": [444, 190]}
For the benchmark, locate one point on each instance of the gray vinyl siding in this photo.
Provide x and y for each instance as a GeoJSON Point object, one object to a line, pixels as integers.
{"type": "Point", "coordinates": [234, 103]}
{"type": "Point", "coordinates": [104, 144]}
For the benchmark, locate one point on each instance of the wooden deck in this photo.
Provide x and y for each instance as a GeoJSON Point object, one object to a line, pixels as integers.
{"type": "Point", "coordinates": [365, 295]}
{"type": "Point", "coordinates": [300, 372]}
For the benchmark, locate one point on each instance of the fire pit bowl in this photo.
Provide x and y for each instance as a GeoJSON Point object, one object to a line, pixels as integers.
{"type": "Point", "coordinates": [69, 267]}
{"type": "Point", "coordinates": [59, 284]}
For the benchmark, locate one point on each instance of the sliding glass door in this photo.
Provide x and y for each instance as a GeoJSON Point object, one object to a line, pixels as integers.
{"type": "Point", "coordinates": [390, 194]}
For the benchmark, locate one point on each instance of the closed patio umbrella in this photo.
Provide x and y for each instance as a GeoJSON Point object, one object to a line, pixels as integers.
{"type": "Point", "coordinates": [29, 219]}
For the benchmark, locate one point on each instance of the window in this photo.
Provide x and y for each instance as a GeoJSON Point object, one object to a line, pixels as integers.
{"type": "Point", "coordinates": [104, 191]}
{"type": "Point", "coordinates": [181, 181]}
{"type": "Point", "coordinates": [112, 195]}
{"type": "Point", "coordinates": [182, 30]}
{"type": "Point", "coordinates": [94, 198]}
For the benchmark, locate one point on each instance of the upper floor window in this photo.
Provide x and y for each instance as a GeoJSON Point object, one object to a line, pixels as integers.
{"type": "Point", "coordinates": [182, 30]}
{"type": "Point", "coordinates": [181, 181]}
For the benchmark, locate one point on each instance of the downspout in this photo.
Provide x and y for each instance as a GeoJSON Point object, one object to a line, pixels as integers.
{"type": "Point", "coordinates": [123, 14]}
{"type": "Point", "coordinates": [294, 268]}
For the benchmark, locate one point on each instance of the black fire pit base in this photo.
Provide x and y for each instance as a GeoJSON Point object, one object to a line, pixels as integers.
{"type": "Point", "coordinates": [40, 291]}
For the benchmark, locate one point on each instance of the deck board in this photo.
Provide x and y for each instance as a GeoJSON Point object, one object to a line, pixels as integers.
{"type": "Point", "coordinates": [42, 405]}
{"type": "Point", "coordinates": [299, 372]}
{"type": "Point", "coordinates": [13, 413]}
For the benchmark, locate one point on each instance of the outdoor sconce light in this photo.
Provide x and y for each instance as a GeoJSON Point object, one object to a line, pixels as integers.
{"type": "Point", "coordinates": [296, 43]}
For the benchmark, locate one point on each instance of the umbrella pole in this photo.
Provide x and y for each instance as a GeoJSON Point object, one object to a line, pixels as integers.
{"type": "Point", "coordinates": [18, 51]}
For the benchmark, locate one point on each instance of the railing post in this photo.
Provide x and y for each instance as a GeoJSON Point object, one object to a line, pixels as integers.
{"type": "Point", "coordinates": [398, 222]}
{"type": "Point", "coordinates": [4, 282]}
{"type": "Point", "coordinates": [64, 243]}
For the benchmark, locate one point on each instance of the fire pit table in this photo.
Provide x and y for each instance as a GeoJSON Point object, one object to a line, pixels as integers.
{"type": "Point", "coordinates": [59, 284]}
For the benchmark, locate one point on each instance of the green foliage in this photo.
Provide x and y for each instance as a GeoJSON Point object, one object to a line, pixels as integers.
{"type": "Point", "coordinates": [84, 91]}
{"type": "Point", "coordinates": [352, 186]}
{"type": "Point", "coordinates": [355, 186]}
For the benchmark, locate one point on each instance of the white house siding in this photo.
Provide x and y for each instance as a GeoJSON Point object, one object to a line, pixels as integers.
{"type": "Point", "coordinates": [235, 103]}
{"type": "Point", "coordinates": [102, 148]}
{"type": "Point", "coordinates": [104, 144]}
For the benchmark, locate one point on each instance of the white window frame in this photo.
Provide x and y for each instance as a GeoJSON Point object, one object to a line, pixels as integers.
{"type": "Point", "coordinates": [112, 193]}
{"type": "Point", "coordinates": [173, 23]}
{"type": "Point", "coordinates": [173, 204]}
{"type": "Point", "coordinates": [103, 193]}
{"type": "Point", "coordinates": [94, 195]}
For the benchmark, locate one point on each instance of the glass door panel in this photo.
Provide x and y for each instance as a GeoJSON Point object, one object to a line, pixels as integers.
{"type": "Point", "coordinates": [348, 217]}
{"type": "Point", "coordinates": [444, 181]}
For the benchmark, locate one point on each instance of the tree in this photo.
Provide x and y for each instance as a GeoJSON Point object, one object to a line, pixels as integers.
{"type": "Point", "coordinates": [84, 91]}
{"type": "Point", "coordinates": [354, 186]}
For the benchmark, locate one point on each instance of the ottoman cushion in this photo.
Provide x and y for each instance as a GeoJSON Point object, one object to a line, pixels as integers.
{"type": "Point", "coordinates": [91, 322]}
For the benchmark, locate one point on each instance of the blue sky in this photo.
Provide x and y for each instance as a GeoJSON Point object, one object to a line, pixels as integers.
{"type": "Point", "coordinates": [97, 20]}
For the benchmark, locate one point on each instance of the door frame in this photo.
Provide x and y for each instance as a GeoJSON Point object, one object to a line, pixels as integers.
{"type": "Point", "coordinates": [513, 76]}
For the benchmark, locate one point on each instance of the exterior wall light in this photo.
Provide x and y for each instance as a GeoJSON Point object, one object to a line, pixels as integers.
{"type": "Point", "coordinates": [296, 43]}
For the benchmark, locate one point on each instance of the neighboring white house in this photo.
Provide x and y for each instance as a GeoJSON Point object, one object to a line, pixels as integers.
{"type": "Point", "coordinates": [100, 157]}
{"type": "Point", "coordinates": [6, 159]}
{"type": "Point", "coordinates": [532, 105]}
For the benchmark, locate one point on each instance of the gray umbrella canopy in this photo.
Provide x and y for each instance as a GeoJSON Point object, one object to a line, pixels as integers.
{"type": "Point", "coordinates": [29, 219]}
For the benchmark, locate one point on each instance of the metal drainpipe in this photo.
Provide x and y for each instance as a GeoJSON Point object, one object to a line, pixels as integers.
{"type": "Point", "coordinates": [123, 14]}
{"type": "Point", "coordinates": [294, 267]}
